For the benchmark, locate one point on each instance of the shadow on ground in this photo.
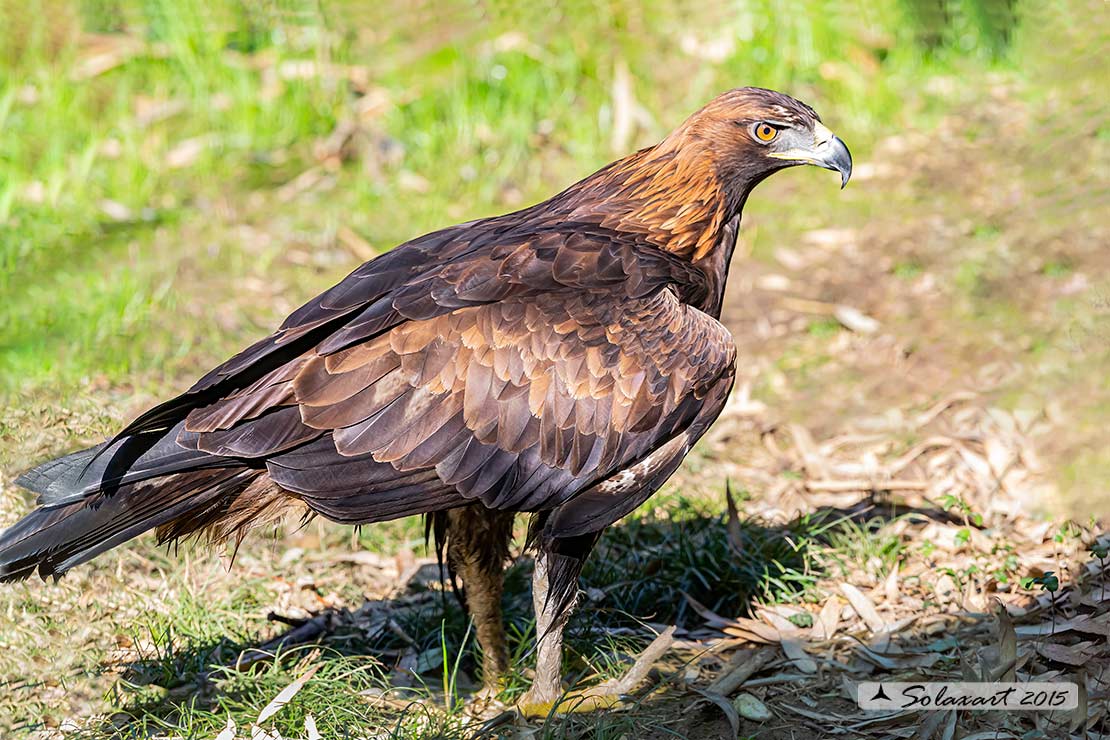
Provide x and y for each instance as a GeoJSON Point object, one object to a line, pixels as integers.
{"type": "Point", "coordinates": [410, 660]}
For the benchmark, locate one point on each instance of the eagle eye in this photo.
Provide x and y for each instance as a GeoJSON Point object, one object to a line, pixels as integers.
{"type": "Point", "coordinates": [764, 132]}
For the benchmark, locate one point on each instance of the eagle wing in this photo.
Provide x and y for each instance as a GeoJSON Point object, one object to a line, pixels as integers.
{"type": "Point", "coordinates": [520, 375]}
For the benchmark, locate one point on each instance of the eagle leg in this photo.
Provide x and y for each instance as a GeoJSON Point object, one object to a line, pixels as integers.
{"type": "Point", "coordinates": [477, 548]}
{"type": "Point", "coordinates": [554, 594]}
{"type": "Point", "coordinates": [547, 685]}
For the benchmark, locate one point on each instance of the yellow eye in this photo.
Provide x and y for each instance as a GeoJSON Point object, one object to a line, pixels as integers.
{"type": "Point", "coordinates": [765, 132]}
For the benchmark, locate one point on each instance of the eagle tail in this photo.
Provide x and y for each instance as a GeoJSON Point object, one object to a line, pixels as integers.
{"type": "Point", "coordinates": [90, 502]}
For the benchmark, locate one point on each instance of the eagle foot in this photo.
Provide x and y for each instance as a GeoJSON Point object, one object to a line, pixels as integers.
{"type": "Point", "coordinates": [578, 701]}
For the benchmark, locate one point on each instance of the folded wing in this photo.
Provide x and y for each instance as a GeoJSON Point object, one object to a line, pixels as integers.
{"type": "Point", "coordinates": [523, 404]}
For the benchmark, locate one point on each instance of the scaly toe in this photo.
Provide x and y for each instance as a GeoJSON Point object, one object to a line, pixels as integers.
{"type": "Point", "coordinates": [582, 700]}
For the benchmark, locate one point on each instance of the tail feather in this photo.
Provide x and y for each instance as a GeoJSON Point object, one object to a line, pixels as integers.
{"type": "Point", "coordinates": [53, 539]}
{"type": "Point", "coordinates": [92, 500]}
{"type": "Point", "coordinates": [74, 477]}
{"type": "Point", "coordinates": [39, 479]}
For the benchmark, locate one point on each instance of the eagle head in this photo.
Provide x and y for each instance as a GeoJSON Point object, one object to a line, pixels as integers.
{"type": "Point", "coordinates": [749, 133]}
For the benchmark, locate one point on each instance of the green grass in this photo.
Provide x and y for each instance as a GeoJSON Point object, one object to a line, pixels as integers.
{"type": "Point", "coordinates": [680, 546]}
{"type": "Point", "coordinates": [96, 210]}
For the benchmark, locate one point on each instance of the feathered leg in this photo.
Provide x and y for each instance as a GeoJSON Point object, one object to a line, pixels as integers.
{"type": "Point", "coordinates": [477, 548]}
{"type": "Point", "coordinates": [554, 594]}
{"type": "Point", "coordinates": [547, 685]}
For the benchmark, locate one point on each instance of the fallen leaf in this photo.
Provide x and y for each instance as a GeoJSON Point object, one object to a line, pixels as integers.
{"type": "Point", "coordinates": [930, 723]}
{"type": "Point", "coordinates": [1081, 623]}
{"type": "Point", "coordinates": [427, 660]}
{"type": "Point", "coordinates": [228, 732]}
{"type": "Point", "coordinates": [412, 182]}
{"type": "Point", "coordinates": [188, 151]}
{"type": "Point", "coordinates": [830, 238]}
{"type": "Point", "coordinates": [286, 695]}
{"type": "Point", "coordinates": [116, 211]}
{"type": "Point", "coordinates": [753, 631]}
{"type": "Point", "coordinates": [742, 666]}
{"type": "Point", "coordinates": [863, 606]}
{"type": "Point", "coordinates": [1073, 655]}
{"type": "Point", "coordinates": [949, 727]}
{"type": "Point", "coordinates": [778, 620]}
{"type": "Point", "coordinates": [712, 618]}
{"type": "Point", "coordinates": [735, 536]}
{"type": "Point", "coordinates": [890, 586]}
{"type": "Point", "coordinates": [827, 622]}
{"type": "Point", "coordinates": [830, 720]}
{"type": "Point", "coordinates": [1007, 645]}
{"type": "Point", "coordinates": [310, 731]}
{"type": "Point", "coordinates": [257, 733]}
{"type": "Point", "coordinates": [856, 320]}
{"type": "Point", "coordinates": [798, 656]}
{"type": "Point", "coordinates": [1079, 714]}
{"type": "Point", "coordinates": [725, 706]}
{"type": "Point", "coordinates": [815, 462]}
{"type": "Point", "coordinates": [1099, 625]}
{"type": "Point", "coordinates": [893, 662]}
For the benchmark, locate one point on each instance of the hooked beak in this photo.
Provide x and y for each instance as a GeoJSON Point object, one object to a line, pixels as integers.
{"type": "Point", "coordinates": [827, 150]}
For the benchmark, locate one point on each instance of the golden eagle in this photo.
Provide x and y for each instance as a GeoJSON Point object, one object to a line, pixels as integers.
{"type": "Point", "coordinates": [559, 361]}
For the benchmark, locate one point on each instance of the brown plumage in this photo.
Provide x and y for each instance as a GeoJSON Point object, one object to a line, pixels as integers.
{"type": "Point", "coordinates": [560, 360]}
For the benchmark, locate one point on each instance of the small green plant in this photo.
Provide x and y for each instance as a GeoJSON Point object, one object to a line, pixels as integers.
{"type": "Point", "coordinates": [907, 270]}
{"type": "Point", "coordinates": [824, 328]}
{"type": "Point", "coordinates": [962, 577]}
{"type": "Point", "coordinates": [1047, 582]}
{"type": "Point", "coordinates": [1068, 530]}
{"type": "Point", "coordinates": [1056, 269]}
{"type": "Point", "coordinates": [804, 620]}
{"type": "Point", "coordinates": [971, 517]}
{"type": "Point", "coordinates": [871, 546]}
{"type": "Point", "coordinates": [957, 504]}
{"type": "Point", "coordinates": [1006, 570]}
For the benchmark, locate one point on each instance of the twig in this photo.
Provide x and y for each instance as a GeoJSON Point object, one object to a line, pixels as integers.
{"type": "Point", "coordinates": [942, 405]}
{"type": "Point", "coordinates": [749, 662]}
{"type": "Point", "coordinates": [639, 670]}
{"type": "Point", "coordinates": [308, 631]}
